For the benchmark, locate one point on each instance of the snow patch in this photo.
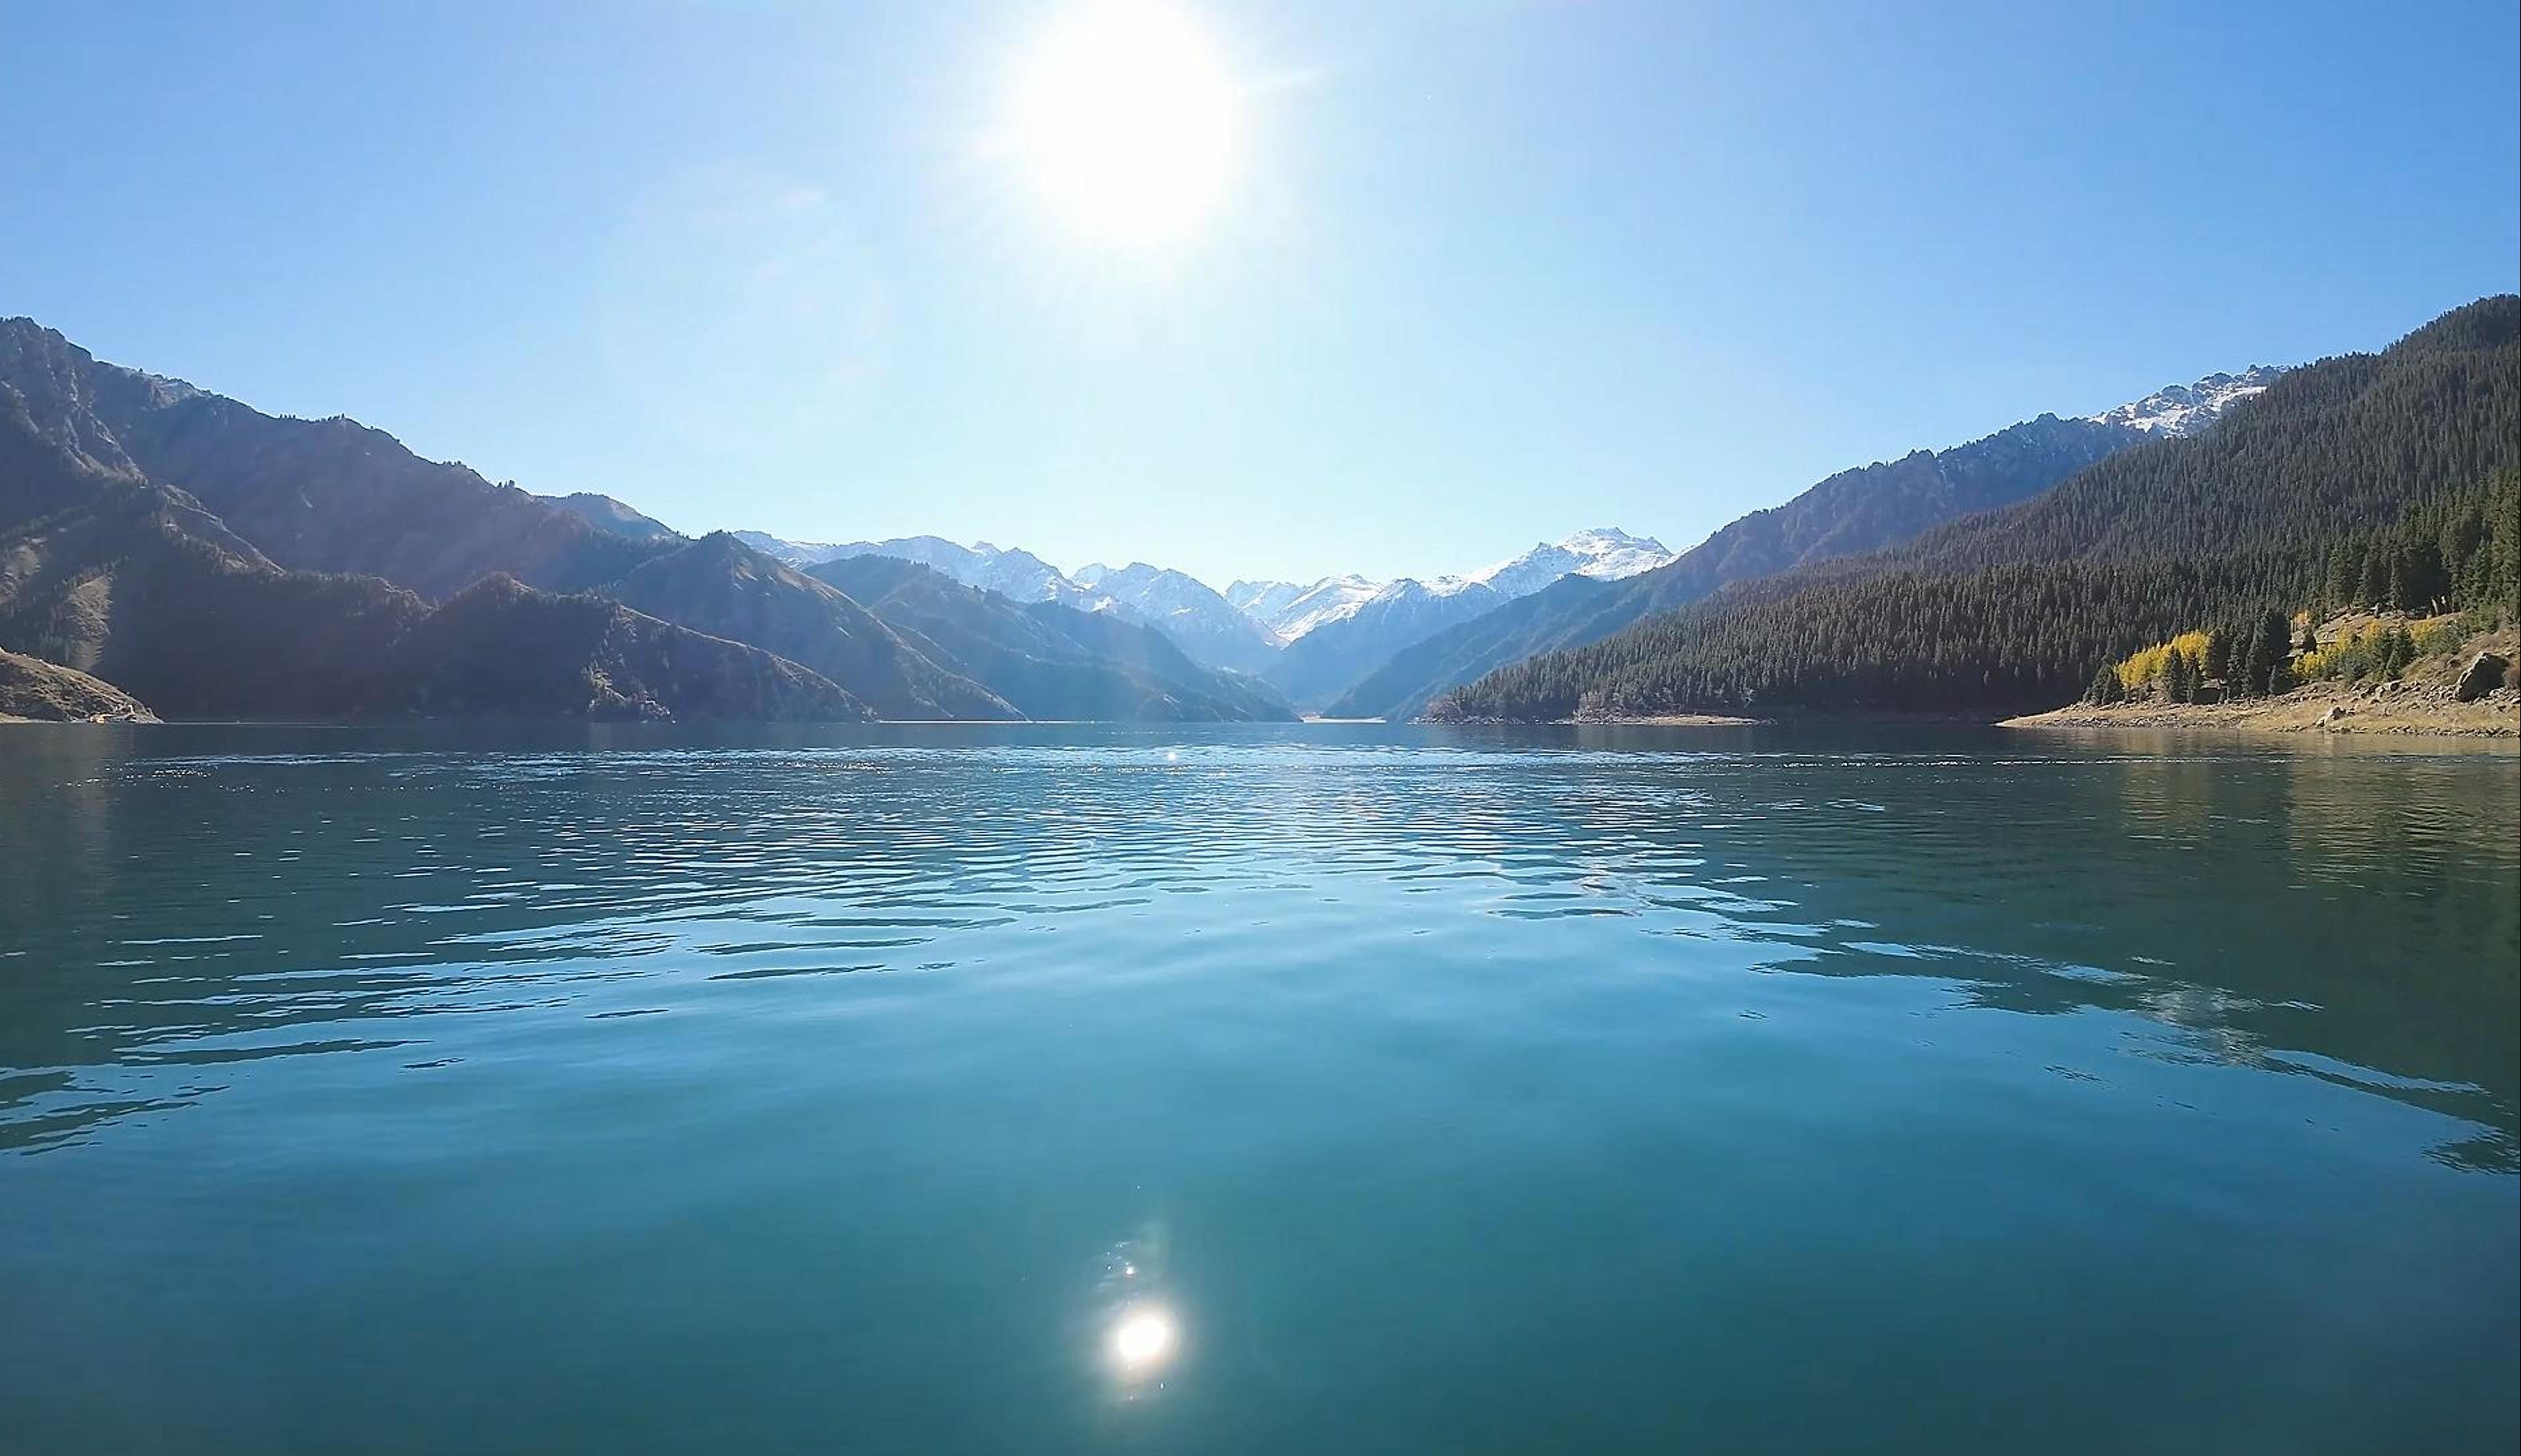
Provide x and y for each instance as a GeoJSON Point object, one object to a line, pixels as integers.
{"type": "Point", "coordinates": [2188, 409]}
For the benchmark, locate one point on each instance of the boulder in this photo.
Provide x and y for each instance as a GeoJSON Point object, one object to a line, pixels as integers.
{"type": "Point", "coordinates": [2483, 675]}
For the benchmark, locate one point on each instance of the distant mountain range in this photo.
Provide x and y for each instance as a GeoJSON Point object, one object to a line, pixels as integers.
{"type": "Point", "coordinates": [1292, 610]}
{"type": "Point", "coordinates": [211, 560]}
{"type": "Point", "coordinates": [1340, 647]}
{"type": "Point", "coordinates": [1186, 610]}
{"type": "Point", "coordinates": [1351, 646]}
{"type": "Point", "coordinates": [1048, 659]}
{"type": "Point", "coordinates": [1271, 631]}
{"type": "Point", "coordinates": [206, 559]}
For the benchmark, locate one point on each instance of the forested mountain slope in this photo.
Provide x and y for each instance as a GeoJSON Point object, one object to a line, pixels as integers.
{"type": "Point", "coordinates": [2344, 444]}
{"type": "Point", "coordinates": [1851, 511]}
{"type": "Point", "coordinates": [2013, 608]}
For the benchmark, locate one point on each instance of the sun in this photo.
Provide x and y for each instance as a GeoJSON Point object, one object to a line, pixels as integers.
{"type": "Point", "coordinates": [1122, 118]}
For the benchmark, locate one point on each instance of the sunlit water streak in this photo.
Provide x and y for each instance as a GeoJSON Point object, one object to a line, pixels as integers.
{"type": "Point", "coordinates": [650, 1089]}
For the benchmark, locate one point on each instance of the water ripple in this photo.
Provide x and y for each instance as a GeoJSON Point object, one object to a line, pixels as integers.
{"type": "Point", "coordinates": [585, 882]}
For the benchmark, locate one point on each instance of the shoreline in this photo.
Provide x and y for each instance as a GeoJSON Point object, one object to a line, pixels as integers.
{"type": "Point", "coordinates": [2322, 709]}
{"type": "Point", "coordinates": [1641, 720]}
{"type": "Point", "coordinates": [1667, 720]}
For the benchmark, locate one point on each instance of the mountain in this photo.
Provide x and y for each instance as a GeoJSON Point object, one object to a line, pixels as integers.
{"type": "Point", "coordinates": [336, 496]}
{"type": "Point", "coordinates": [108, 572]}
{"type": "Point", "coordinates": [2188, 409]}
{"type": "Point", "coordinates": [1047, 659]}
{"type": "Point", "coordinates": [794, 553]}
{"type": "Point", "coordinates": [1051, 664]}
{"type": "Point", "coordinates": [2013, 608]}
{"type": "Point", "coordinates": [1573, 610]}
{"type": "Point", "coordinates": [1288, 610]}
{"type": "Point", "coordinates": [1198, 621]}
{"type": "Point", "coordinates": [106, 568]}
{"type": "Point", "coordinates": [607, 513]}
{"type": "Point", "coordinates": [1320, 665]}
{"type": "Point", "coordinates": [1605, 554]}
{"type": "Point", "coordinates": [1346, 636]}
{"type": "Point", "coordinates": [501, 648]}
{"type": "Point", "coordinates": [1187, 610]}
{"type": "Point", "coordinates": [1015, 574]}
{"type": "Point", "coordinates": [154, 530]}
{"type": "Point", "coordinates": [718, 585]}
{"type": "Point", "coordinates": [1243, 630]}
{"type": "Point", "coordinates": [330, 542]}
{"type": "Point", "coordinates": [1851, 511]}
{"type": "Point", "coordinates": [32, 688]}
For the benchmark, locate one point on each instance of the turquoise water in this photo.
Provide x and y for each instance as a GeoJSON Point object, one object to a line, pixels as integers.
{"type": "Point", "coordinates": [1399, 1090]}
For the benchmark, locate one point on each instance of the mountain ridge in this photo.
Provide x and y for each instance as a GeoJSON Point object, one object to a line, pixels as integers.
{"type": "Point", "coordinates": [1202, 622]}
{"type": "Point", "coordinates": [1845, 514]}
{"type": "Point", "coordinates": [351, 547]}
{"type": "Point", "coordinates": [2010, 609]}
{"type": "Point", "coordinates": [1047, 659]}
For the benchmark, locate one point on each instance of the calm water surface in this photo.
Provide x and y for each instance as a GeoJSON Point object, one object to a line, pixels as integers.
{"type": "Point", "coordinates": [1659, 1090]}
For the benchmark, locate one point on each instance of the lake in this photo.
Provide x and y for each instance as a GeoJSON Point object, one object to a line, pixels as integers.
{"type": "Point", "coordinates": [1303, 1088]}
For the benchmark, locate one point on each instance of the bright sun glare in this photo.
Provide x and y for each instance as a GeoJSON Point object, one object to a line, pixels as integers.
{"type": "Point", "coordinates": [1142, 1339]}
{"type": "Point", "coordinates": [1123, 119]}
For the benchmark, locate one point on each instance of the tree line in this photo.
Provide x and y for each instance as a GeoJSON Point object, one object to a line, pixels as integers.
{"type": "Point", "coordinates": [2342, 483]}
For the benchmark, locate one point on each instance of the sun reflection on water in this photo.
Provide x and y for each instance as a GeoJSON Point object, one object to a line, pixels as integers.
{"type": "Point", "coordinates": [1143, 1340]}
{"type": "Point", "coordinates": [1137, 1329]}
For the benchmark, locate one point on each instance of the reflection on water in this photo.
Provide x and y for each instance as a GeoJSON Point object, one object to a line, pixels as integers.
{"type": "Point", "coordinates": [1136, 1329]}
{"type": "Point", "coordinates": [172, 910]}
{"type": "Point", "coordinates": [908, 1005]}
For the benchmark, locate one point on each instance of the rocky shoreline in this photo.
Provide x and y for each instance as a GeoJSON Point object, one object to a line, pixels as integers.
{"type": "Point", "coordinates": [2319, 708]}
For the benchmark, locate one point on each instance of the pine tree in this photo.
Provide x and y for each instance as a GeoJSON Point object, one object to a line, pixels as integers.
{"type": "Point", "coordinates": [2396, 650]}
{"type": "Point", "coordinates": [2178, 683]}
{"type": "Point", "coordinates": [2271, 651]}
{"type": "Point", "coordinates": [2374, 589]}
{"type": "Point", "coordinates": [2219, 654]}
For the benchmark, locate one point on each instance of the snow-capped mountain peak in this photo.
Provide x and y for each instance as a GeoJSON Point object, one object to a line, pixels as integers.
{"type": "Point", "coordinates": [1015, 574]}
{"type": "Point", "coordinates": [1614, 553]}
{"type": "Point", "coordinates": [1188, 609]}
{"type": "Point", "coordinates": [1291, 609]}
{"type": "Point", "coordinates": [2186, 409]}
{"type": "Point", "coordinates": [1606, 553]}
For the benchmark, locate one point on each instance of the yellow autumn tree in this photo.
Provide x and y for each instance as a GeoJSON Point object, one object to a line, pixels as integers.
{"type": "Point", "coordinates": [2148, 664]}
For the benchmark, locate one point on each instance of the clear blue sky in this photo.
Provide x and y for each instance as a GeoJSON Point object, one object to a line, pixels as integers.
{"type": "Point", "coordinates": [1484, 272]}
